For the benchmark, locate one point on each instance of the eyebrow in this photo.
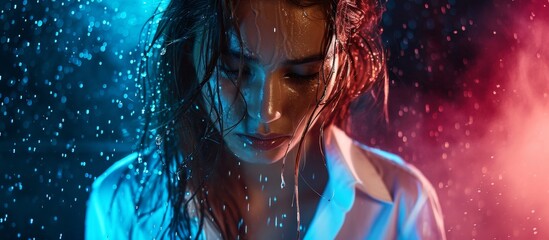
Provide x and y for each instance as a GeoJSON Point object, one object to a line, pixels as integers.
{"type": "Point", "coordinates": [304, 60]}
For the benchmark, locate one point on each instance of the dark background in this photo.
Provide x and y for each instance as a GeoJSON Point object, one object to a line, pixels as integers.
{"type": "Point", "coordinates": [69, 108]}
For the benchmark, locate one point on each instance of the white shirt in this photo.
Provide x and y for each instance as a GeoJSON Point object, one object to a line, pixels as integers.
{"type": "Point", "coordinates": [370, 194]}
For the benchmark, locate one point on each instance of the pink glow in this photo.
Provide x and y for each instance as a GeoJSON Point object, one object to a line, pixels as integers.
{"type": "Point", "coordinates": [494, 183]}
{"type": "Point", "coordinates": [519, 134]}
{"type": "Point", "coordinates": [486, 148]}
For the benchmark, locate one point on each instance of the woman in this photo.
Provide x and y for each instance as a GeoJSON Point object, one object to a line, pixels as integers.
{"type": "Point", "coordinates": [247, 100]}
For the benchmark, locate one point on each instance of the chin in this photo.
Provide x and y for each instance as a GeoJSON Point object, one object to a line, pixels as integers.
{"type": "Point", "coordinates": [265, 154]}
{"type": "Point", "coordinates": [249, 154]}
{"type": "Point", "coordinates": [259, 157]}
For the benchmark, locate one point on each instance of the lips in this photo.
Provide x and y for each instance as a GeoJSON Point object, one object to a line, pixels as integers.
{"type": "Point", "coordinates": [264, 142]}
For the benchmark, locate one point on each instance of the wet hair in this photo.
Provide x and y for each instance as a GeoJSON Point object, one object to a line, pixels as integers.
{"type": "Point", "coordinates": [177, 121]}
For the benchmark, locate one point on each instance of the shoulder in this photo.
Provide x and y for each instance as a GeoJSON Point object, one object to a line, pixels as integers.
{"type": "Point", "coordinates": [112, 180]}
{"type": "Point", "coordinates": [408, 199]}
{"type": "Point", "coordinates": [412, 194]}
{"type": "Point", "coordinates": [398, 175]}
{"type": "Point", "coordinates": [115, 200]}
{"type": "Point", "coordinates": [110, 195]}
{"type": "Point", "coordinates": [380, 174]}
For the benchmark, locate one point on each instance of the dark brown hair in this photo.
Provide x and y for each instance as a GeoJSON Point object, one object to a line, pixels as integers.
{"type": "Point", "coordinates": [189, 144]}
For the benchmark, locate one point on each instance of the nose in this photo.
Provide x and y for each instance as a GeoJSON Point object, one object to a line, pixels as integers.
{"type": "Point", "coordinates": [264, 102]}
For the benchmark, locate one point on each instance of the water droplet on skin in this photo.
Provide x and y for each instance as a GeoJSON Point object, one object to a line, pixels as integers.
{"type": "Point", "coordinates": [282, 182]}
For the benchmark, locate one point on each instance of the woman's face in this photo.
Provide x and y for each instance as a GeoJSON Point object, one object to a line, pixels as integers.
{"type": "Point", "coordinates": [279, 85]}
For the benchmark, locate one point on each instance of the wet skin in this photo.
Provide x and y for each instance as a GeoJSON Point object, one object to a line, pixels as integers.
{"type": "Point", "coordinates": [283, 47]}
{"type": "Point", "coordinates": [279, 82]}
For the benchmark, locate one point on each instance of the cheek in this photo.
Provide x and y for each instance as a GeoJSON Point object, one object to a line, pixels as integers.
{"type": "Point", "coordinates": [309, 97]}
{"type": "Point", "coordinates": [301, 99]}
{"type": "Point", "coordinates": [222, 97]}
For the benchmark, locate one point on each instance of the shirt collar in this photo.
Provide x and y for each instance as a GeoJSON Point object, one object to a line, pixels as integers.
{"type": "Point", "coordinates": [344, 151]}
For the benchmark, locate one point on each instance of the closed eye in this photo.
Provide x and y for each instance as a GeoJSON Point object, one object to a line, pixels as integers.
{"type": "Point", "coordinates": [302, 77]}
{"type": "Point", "coordinates": [305, 71]}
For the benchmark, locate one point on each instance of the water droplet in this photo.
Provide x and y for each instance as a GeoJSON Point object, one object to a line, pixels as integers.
{"type": "Point", "coordinates": [158, 140]}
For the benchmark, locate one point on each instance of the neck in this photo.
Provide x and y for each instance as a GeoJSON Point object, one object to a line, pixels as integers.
{"type": "Point", "coordinates": [272, 204]}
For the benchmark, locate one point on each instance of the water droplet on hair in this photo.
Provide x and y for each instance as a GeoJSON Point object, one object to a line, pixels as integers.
{"type": "Point", "coordinates": [163, 51]}
{"type": "Point", "coordinates": [158, 140]}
